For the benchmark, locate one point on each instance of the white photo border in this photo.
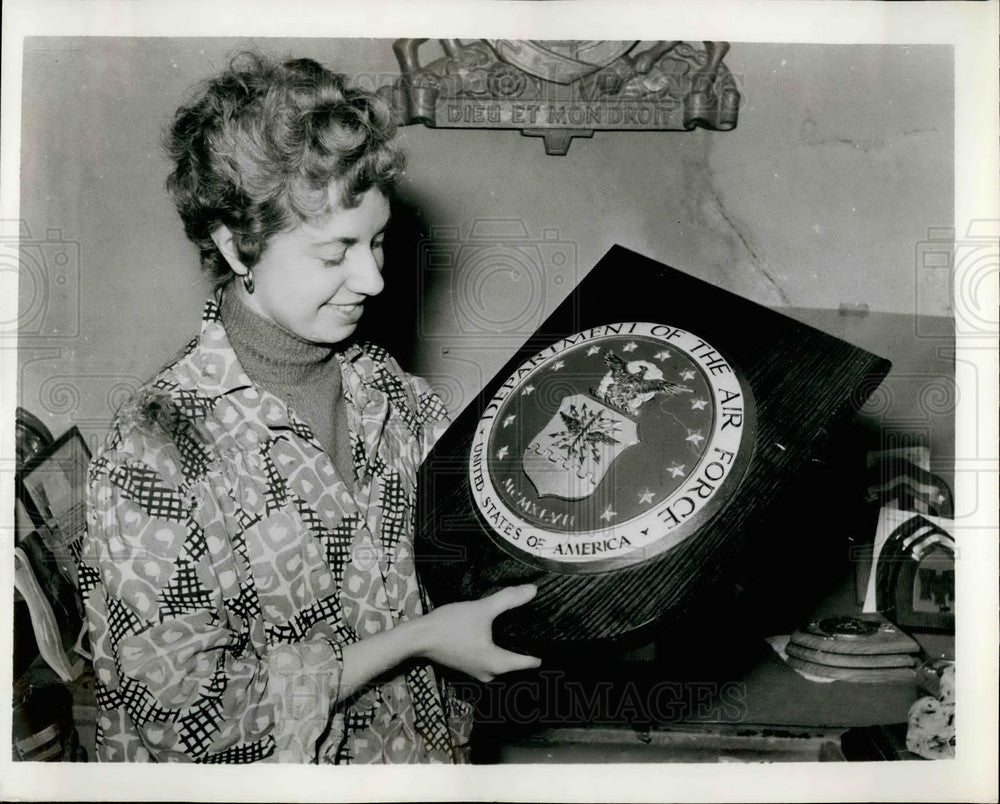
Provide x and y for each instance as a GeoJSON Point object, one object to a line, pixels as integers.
{"type": "Point", "coordinates": [972, 29]}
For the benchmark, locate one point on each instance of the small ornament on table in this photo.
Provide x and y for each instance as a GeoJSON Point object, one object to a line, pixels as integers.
{"type": "Point", "coordinates": [930, 730]}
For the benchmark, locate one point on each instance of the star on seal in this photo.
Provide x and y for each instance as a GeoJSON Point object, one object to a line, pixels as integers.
{"type": "Point", "coordinates": [695, 437]}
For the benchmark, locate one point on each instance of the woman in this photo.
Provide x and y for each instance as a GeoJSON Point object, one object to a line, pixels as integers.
{"type": "Point", "coordinates": [248, 567]}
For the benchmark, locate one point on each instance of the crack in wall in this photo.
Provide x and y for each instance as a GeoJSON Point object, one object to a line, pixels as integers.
{"type": "Point", "coordinates": [809, 135]}
{"type": "Point", "coordinates": [755, 259]}
{"type": "Point", "coordinates": [707, 196]}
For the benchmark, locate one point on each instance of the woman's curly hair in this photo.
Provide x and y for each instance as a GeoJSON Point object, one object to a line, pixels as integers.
{"type": "Point", "coordinates": [260, 145]}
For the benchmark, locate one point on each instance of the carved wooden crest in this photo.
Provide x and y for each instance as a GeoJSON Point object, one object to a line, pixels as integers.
{"type": "Point", "coordinates": [560, 89]}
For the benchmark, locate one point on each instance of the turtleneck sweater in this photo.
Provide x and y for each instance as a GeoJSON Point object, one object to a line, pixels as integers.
{"type": "Point", "coordinates": [305, 375]}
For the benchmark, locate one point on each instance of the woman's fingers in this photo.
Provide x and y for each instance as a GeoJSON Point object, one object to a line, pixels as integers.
{"type": "Point", "coordinates": [511, 597]}
{"type": "Point", "coordinates": [460, 635]}
{"type": "Point", "coordinates": [512, 662]}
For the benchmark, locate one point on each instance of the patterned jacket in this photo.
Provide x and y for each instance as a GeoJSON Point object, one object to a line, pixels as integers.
{"type": "Point", "coordinates": [226, 564]}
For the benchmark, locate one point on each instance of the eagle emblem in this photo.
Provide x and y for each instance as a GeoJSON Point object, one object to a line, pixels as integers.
{"type": "Point", "coordinates": [630, 385]}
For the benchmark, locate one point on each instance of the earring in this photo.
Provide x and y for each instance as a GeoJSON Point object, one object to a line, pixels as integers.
{"type": "Point", "coordinates": [248, 281]}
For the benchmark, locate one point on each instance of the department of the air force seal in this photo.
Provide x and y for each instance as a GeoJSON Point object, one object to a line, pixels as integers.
{"type": "Point", "coordinates": [610, 446]}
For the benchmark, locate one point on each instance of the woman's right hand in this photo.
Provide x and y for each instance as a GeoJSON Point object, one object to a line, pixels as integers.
{"type": "Point", "coordinates": [460, 635]}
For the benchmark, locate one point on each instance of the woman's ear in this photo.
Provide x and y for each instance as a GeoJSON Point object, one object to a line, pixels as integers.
{"type": "Point", "coordinates": [224, 242]}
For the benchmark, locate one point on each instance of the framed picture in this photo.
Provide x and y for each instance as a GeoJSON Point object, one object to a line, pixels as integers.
{"type": "Point", "coordinates": [52, 489]}
{"type": "Point", "coordinates": [914, 579]}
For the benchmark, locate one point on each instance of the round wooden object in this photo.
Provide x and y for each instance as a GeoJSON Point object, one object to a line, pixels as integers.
{"type": "Point", "coordinates": [857, 675]}
{"type": "Point", "coordinates": [861, 660]}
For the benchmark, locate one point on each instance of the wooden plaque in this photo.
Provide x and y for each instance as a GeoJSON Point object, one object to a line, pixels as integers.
{"type": "Point", "coordinates": [629, 453]}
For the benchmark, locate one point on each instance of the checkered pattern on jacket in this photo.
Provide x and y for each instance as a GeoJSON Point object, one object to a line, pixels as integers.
{"type": "Point", "coordinates": [227, 564]}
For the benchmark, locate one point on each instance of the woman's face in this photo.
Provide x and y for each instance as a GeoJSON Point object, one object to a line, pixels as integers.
{"type": "Point", "coordinates": [313, 280]}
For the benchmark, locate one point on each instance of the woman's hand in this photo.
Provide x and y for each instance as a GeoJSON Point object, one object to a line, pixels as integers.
{"type": "Point", "coordinates": [460, 635]}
